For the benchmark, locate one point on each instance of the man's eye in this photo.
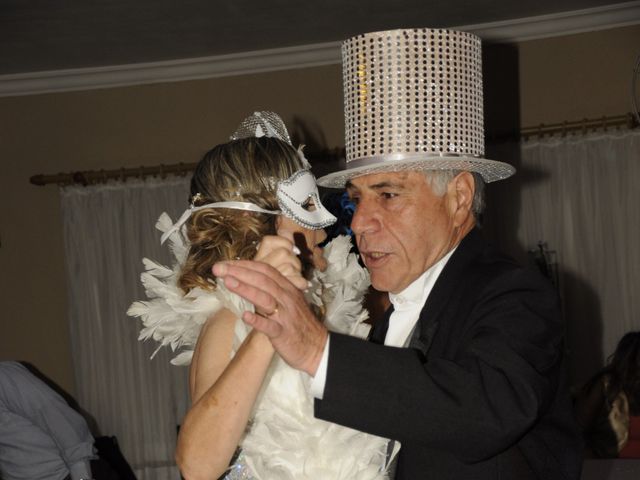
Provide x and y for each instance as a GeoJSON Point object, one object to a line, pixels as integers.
{"type": "Point", "coordinates": [354, 200]}
{"type": "Point", "coordinates": [388, 195]}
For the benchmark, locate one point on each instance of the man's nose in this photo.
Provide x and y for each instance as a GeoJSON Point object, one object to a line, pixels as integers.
{"type": "Point", "coordinates": [364, 218]}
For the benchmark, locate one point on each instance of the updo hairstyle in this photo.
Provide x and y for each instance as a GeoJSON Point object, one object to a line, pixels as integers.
{"type": "Point", "coordinates": [244, 170]}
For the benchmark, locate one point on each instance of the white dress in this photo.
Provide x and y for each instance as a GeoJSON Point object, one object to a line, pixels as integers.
{"type": "Point", "coordinates": [283, 439]}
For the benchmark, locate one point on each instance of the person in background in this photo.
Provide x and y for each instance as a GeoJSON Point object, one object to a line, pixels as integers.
{"type": "Point", "coordinates": [466, 370]}
{"type": "Point", "coordinates": [608, 406]}
{"type": "Point", "coordinates": [41, 436]}
{"type": "Point", "coordinates": [243, 395]}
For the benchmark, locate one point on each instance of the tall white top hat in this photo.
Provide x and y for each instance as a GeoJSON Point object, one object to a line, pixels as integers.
{"type": "Point", "coordinates": [413, 101]}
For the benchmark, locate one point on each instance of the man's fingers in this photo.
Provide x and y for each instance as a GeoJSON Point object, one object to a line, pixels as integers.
{"type": "Point", "coordinates": [287, 265]}
{"type": "Point", "coordinates": [232, 267]}
{"type": "Point", "coordinates": [261, 299]}
{"type": "Point", "coordinates": [266, 325]}
{"type": "Point", "coordinates": [255, 274]}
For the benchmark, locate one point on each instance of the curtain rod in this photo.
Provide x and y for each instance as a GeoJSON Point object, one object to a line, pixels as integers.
{"type": "Point", "coordinates": [584, 126]}
{"type": "Point", "coordinates": [90, 177]}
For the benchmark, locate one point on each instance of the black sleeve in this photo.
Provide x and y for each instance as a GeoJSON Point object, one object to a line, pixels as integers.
{"type": "Point", "coordinates": [485, 393]}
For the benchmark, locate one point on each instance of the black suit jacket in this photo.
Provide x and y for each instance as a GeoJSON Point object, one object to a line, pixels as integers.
{"type": "Point", "coordinates": [481, 393]}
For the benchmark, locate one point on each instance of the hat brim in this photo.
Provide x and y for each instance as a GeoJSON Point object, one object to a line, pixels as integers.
{"type": "Point", "coordinates": [490, 170]}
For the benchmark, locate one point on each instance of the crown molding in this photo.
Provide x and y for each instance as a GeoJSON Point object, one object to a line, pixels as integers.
{"type": "Point", "coordinates": [558, 24]}
{"type": "Point", "coordinates": [244, 63]}
{"type": "Point", "coordinates": [304, 56]}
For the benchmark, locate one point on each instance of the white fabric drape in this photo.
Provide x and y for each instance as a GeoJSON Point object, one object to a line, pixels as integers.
{"type": "Point", "coordinates": [107, 230]}
{"type": "Point", "coordinates": [580, 195]}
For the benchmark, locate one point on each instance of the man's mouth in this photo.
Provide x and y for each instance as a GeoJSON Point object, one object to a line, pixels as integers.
{"type": "Point", "coordinates": [372, 259]}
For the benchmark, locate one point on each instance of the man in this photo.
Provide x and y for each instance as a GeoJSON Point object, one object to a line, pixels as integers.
{"type": "Point", "coordinates": [41, 436]}
{"type": "Point", "coordinates": [469, 379]}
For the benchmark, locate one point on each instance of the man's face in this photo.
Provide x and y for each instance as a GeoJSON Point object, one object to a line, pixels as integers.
{"type": "Point", "coordinates": [402, 228]}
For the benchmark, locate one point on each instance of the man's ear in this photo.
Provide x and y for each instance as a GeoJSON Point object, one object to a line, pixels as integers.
{"type": "Point", "coordinates": [463, 188]}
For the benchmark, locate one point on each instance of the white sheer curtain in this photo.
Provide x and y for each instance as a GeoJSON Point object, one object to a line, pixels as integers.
{"type": "Point", "coordinates": [580, 195]}
{"type": "Point", "coordinates": [107, 230]}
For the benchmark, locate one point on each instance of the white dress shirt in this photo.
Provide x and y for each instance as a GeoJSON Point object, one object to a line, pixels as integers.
{"type": "Point", "coordinates": [407, 306]}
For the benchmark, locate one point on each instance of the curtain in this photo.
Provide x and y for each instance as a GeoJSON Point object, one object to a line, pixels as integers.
{"type": "Point", "coordinates": [108, 229]}
{"type": "Point", "coordinates": [579, 195]}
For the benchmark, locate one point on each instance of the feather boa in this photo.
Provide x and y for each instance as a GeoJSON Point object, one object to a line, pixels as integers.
{"type": "Point", "coordinates": [283, 439]}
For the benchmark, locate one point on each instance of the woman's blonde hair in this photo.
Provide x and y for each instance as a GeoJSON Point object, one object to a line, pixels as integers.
{"type": "Point", "coordinates": [245, 170]}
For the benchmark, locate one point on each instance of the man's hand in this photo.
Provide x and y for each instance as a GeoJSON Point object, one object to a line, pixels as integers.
{"type": "Point", "coordinates": [297, 335]}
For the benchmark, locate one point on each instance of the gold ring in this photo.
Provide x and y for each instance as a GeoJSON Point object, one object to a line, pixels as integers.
{"type": "Point", "coordinates": [275, 310]}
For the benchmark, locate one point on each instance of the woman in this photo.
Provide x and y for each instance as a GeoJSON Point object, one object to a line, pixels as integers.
{"type": "Point", "coordinates": [608, 407]}
{"type": "Point", "coordinates": [243, 193]}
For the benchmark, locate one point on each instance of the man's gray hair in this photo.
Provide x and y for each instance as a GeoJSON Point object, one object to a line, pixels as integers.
{"type": "Point", "coordinates": [439, 179]}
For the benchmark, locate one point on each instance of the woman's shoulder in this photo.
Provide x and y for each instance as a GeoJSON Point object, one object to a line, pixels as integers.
{"type": "Point", "coordinates": [175, 319]}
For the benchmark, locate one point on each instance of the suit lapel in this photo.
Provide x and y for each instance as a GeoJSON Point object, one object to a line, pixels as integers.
{"type": "Point", "coordinates": [429, 321]}
{"type": "Point", "coordinates": [425, 330]}
{"type": "Point", "coordinates": [422, 335]}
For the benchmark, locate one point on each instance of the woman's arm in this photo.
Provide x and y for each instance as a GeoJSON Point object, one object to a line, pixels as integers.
{"type": "Point", "coordinates": [224, 390]}
{"type": "Point", "coordinates": [223, 393]}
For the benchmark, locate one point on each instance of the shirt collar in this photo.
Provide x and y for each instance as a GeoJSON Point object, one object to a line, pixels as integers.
{"type": "Point", "coordinates": [416, 294]}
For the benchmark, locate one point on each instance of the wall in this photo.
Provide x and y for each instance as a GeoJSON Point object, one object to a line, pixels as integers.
{"type": "Point", "coordinates": [562, 78]}
{"type": "Point", "coordinates": [577, 76]}
{"type": "Point", "coordinates": [125, 127]}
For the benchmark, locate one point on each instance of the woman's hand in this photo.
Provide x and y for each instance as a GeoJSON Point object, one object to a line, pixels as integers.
{"type": "Point", "coordinates": [282, 313]}
{"type": "Point", "coordinates": [280, 252]}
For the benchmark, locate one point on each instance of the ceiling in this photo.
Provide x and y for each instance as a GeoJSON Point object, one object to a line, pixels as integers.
{"type": "Point", "coordinates": [49, 35]}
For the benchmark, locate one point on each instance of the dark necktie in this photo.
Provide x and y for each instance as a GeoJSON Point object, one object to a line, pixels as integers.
{"type": "Point", "coordinates": [379, 329]}
{"type": "Point", "coordinates": [377, 335]}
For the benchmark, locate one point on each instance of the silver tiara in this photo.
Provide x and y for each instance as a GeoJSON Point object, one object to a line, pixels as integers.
{"type": "Point", "coordinates": [262, 124]}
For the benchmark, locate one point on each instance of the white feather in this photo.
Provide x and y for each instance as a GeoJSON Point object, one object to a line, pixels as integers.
{"type": "Point", "coordinates": [283, 439]}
